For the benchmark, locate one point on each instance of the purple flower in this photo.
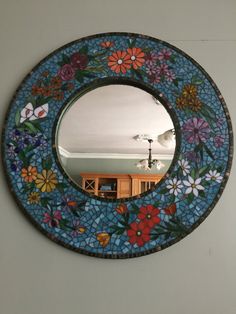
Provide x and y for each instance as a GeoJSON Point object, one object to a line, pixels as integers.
{"type": "Point", "coordinates": [16, 165]}
{"type": "Point", "coordinates": [196, 130]}
{"type": "Point", "coordinates": [192, 156]}
{"type": "Point", "coordinates": [66, 72]}
{"type": "Point", "coordinates": [220, 121]}
{"type": "Point", "coordinates": [15, 134]}
{"type": "Point", "coordinates": [218, 140]}
{"type": "Point", "coordinates": [11, 151]}
{"type": "Point", "coordinates": [77, 228]}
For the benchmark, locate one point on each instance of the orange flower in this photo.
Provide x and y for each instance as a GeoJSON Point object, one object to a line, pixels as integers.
{"type": "Point", "coordinates": [103, 238]}
{"type": "Point", "coordinates": [170, 210]}
{"type": "Point", "coordinates": [56, 82]}
{"type": "Point", "coordinates": [46, 91]}
{"type": "Point", "coordinates": [119, 62]}
{"type": "Point", "coordinates": [181, 102]}
{"type": "Point", "coordinates": [136, 56]}
{"type": "Point", "coordinates": [58, 95]}
{"type": "Point", "coordinates": [29, 174]}
{"type": "Point", "coordinates": [122, 209]}
{"type": "Point", "coordinates": [34, 198]}
{"type": "Point", "coordinates": [189, 90]}
{"type": "Point", "coordinates": [45, 73]}
{"type": "Point", "coordinates": [107, 44]}
{"type": "Point", "coordinates": [36, 90]}
{"type": "Point", "coordinates": [195, 104]}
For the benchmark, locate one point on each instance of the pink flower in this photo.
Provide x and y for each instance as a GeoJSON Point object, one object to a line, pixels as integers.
{"type": "Point", "coordinates": [218, 140]}
{"type": "Point", "coordinates": [151, 68]}
{"type": "Point", "coordinates": [196, 130]}
{"type": "Point", "coordinates": [66, 72]}
{"type": "Point", "coordinates": [52, 219]}
{"type": "Point", "coordinates": [151, 58]}
{"type": "Point", "coordinates": [154, 78]}
{"type": "Point", "coordinates": [79, 61]}
{"type": "Point", "coordinates": [170, 76]}
{"type": "Point", "coordinates": [162, 69]}
{"type": "Point", "coordinates": [164, 54]}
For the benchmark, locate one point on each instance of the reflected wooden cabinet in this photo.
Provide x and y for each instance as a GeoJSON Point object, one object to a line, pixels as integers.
{"type": "Point", "coordinates": [118, 185]}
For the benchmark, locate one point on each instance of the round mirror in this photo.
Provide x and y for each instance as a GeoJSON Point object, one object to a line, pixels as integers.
{"type": "Point", "coordinates": [116, 141]}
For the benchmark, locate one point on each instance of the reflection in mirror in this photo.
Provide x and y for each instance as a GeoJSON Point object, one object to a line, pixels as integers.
{"type": "Point", "coordinates": [116, 141]}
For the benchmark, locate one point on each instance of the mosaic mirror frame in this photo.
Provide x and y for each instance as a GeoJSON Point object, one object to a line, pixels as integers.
{"type": "Point", "coordinates": [120, 228]}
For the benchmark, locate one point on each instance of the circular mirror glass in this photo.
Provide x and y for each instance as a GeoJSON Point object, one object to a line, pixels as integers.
{"type": "Point", "coordinates": [116, 141]}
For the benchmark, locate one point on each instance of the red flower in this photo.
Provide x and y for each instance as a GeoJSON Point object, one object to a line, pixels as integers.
{"type": "Point", "coordinates": [121, 209]}
{"type": "Point", "coordinates": [79, 61]}
{"type": "Point", "coordinates": [138, 233]}
{"type": "Point", "coordinates": [170, 210]}
{"type": "Point", "coordinates": [148, 215]}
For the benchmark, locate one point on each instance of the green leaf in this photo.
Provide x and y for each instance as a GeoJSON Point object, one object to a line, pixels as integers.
{"type": "Point", "coordinates": [172, 59]}
{"type": "Point", "coordinates": [23, 158]}
{"type": "Point", "coordinates": [79, 76]}
{"type": "Point", "coordinates": [31, 127]}
{"type": "Point", "coordinates": [204, 170]}
{"type": "Point", "coordinates": [132, 43]}
{"type": "Point", "coordinates": [176, 82]}
{"type": "Point", "coordinates": [61, 186]}
{"type": "Point", "coordinates": [202, 193]}
{"type": "Point", "coordinates": [47, 163]}
{"type": "Point", "coordinates": [135, 209]}
{"type": "Point", "coordinates": [44, 201]}
{"type": "Point", "coordinates": [172, 198]}
{"type": "Point", "coordinates": [190, 198]}
{"type": "Point", "coordinates": [209, 152]}
{"type": "Point", "coordinates": [17, 118]}
{"type": "Point", "coordinates": [84, 50]}
{"type": "Point", "coordinates": [196, 80]}
{"type": "Point", "coordinates": [63, 224]}
{"type": "Point", "coordinates": [65, 59]}
{"type": "Point", "coordinates": [193, 173]}
{"type": "Point", "coordinates": [164, 191]}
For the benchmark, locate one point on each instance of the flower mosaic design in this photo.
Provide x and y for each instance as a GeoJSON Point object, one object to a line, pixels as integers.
{"type": "Point", "coordinates": [46, 181]}
{"type": "Point", "coordinates": [121, 227]}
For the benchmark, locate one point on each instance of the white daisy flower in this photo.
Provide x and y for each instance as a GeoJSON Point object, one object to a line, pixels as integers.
{"type": "Point", "coordinates": [174, 186]}
{"type": "Point", "coordinates": [214, 176]}
{"type": "Point", "coordinates": [184, 166]}
{"type": "Point", "coordinates": [193, 186]}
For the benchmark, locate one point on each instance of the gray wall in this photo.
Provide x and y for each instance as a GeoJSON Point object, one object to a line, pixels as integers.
{"type": "Point", "coordinates": [196, 275]}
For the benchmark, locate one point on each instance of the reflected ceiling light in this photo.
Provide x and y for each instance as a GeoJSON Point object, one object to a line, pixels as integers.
{"type": "Point", "coordinates": [167, 139]}
{"type": "Point", "coordinates": [148, 163]}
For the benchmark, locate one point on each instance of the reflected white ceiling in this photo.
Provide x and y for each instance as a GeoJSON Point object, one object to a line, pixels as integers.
{"type": "Point", "coordinates": [106, 119]}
